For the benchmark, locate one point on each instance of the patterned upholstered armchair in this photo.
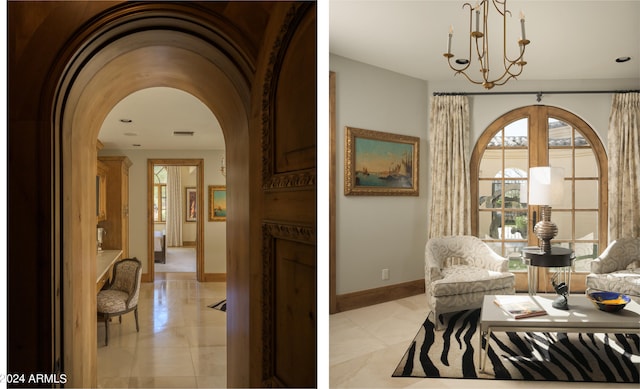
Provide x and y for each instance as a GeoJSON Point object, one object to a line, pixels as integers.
{"type": "Point", "coordinates": [460, 271]}
{"type": "Point", "coordinates": [121, 296]}
{"type": "Point", "coordinates": [617, 269]}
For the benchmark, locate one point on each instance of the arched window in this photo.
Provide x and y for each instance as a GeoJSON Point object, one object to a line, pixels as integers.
{"type": "Point", "coordinates": [540, 136]}
{"type": "Point", "coordinates": [160, 194]}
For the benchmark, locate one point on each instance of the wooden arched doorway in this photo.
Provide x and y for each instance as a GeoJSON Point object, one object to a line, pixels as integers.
{"type": "Point", "coordinates": [122, 52]}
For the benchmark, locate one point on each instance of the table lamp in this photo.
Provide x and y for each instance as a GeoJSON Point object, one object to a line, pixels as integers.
{"type": "Point", "coordinates": [546, 188]}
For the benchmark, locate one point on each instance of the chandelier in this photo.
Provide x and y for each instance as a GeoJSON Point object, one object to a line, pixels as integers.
{"type": "Point", "coordinates": [480, 36]}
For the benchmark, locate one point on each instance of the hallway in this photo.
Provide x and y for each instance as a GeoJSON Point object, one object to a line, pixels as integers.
{"type": "Point", "coordinates": [181, 343]}
{"type": "Point", "coordinates": [179, 260]}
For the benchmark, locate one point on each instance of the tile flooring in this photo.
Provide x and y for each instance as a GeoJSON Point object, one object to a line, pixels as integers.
{"type": "Point", "coordinates": [178, 260]}
{"type": "Point", "coordinates": [181, 344]}
{"type": "Point", "coordinates": [366, 344]}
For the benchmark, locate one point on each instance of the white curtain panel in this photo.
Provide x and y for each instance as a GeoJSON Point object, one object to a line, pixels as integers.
{"type": "Point", "coordinates": [450, 210]}
{"type": "Point", "coordinates": [174, 207]}
{"type": "Point", "coordinates": [624, 166]}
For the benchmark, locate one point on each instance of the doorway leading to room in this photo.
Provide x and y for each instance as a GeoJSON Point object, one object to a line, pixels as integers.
{"type": "Point", "coordinates": [168, 124]}
{"type": "Point", "coordinates": [139, 46]}
{"type": "Point", "coordinates": [175, 216]}
{"type": "Point", "coordinates": [102, 87]}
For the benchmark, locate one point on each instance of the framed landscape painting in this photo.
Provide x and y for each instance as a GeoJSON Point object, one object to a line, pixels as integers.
{"type": "Point", "coordinates": [217, 203]}
{"type": "Point", "coordinates": [380, 163]}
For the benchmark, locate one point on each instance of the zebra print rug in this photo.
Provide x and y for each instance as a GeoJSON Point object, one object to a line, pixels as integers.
{"type": "Point", "coordinates": [452, 353]}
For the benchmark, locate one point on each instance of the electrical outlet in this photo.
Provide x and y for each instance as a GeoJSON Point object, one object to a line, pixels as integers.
{"type": "Point", "coordinates": [385, 274]}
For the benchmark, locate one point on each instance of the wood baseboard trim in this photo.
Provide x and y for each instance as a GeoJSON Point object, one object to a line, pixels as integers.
{"type": "Point", "coordinates": [215, 277]}
{"type": "Point", "coordinates": [186, 243]}
{"type": "Point", "coordinates": [208, 277]}
{"type": "Point", "coordinates": [365, 298]}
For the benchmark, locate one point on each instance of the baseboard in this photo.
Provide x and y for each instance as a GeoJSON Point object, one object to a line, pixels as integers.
{"type": "Point", "coordinates": [215, 277]}
{"type": "Point", "coordinates": [186, 243]}
{"type": "Point", "coordinates": [365, 298]}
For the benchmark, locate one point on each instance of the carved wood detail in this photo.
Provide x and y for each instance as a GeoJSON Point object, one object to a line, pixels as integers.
{"type": "Point", "coordinates": [271, 179]}
{"type": "Point", "coordinates": [271, 232]}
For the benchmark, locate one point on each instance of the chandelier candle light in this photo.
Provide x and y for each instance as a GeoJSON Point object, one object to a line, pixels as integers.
{"type": "Point", "coordinates": [223, 168]}
{"type": "Point", "coordinates": [512, 68]}
{"type": "Point", "coordinates": [546, 188]}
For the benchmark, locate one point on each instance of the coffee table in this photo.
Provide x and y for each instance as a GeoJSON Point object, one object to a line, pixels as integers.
{"type": "Point", "coordinates": [582, 316]}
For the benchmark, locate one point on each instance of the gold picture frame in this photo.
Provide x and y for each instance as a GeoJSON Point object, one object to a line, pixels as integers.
{"type": "Point", "coordinates": [380, 163]}
{"type": "Point", "coordinates": [217, 203]}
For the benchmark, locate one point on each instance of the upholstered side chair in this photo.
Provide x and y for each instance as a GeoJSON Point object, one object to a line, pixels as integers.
{"type": "Point", "coordinates": [460, 271]}
{"type": "Point", "coordinates": [121, 295]}
{"type": "Point", "coordinates": [617, 269]}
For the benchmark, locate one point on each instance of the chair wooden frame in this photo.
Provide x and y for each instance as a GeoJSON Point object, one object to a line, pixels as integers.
{"type": "Point", "coordinates": [106, 316]}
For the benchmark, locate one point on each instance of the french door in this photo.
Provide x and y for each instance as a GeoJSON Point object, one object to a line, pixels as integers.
{"type": "Point", "coordinates": [532, 136]}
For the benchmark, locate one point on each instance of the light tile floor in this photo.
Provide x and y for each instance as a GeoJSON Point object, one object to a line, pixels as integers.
{"type": "Point", "coordinates": [181, 343]}
{"type": "Point", "coordinates": [366, 345]}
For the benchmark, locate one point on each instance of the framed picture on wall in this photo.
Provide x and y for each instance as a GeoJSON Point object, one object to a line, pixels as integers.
{"type": "Point", "coordinates": [380, 163]}
{"type": "Point", "coordinates": [190, 204]}
{"type": "Point", "coordinates": [217, 203]}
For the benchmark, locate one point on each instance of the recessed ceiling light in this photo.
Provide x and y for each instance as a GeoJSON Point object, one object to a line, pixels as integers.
{"type": "Point", "coordinates": [462, 61]}
{"type": "Point", "coordinates": [130, 134]}
{"type": "Point", "coordinates": [126, 121]}
{"type": "Point", "coordinates": [183, 133]}
{"type": "Point", "coordinates": [623, 59]}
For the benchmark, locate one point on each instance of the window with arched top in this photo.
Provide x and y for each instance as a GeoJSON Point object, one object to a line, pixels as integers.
{"type": "Point", "coordinates": [159, 194]}
{"type": "Point", "coordinates": [501, 216]}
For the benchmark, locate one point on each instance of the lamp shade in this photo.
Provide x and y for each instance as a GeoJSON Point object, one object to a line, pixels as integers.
{"type": "Point", "coordinates": [546, 185]}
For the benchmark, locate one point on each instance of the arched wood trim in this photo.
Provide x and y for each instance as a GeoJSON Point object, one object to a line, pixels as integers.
{"type": "Point", "coordinates": [537, 114]}
{"type": "Point", "coordinates": [480, 147]}
{"type": "Point", "coordinates": [88, 88]}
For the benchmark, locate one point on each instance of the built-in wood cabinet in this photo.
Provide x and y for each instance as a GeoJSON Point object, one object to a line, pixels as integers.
{"type": "Point", "coordinates": [116, 223]}
{"type": "Point", "coordinates": [101, 187]}
{"type": "Point", "coordinates": [101, 191]}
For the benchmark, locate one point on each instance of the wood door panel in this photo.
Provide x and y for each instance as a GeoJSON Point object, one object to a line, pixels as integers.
{"type": "Point", "coordinates": [295, 110]}
{"type": "Point", "coordinates": [287, 286]}
{"type": "Point", "coordinates": [295, 312]}
{"type": "Point", "coordinates": [289, 305]}
{"type": "Point", "coordinates": [297, 206]}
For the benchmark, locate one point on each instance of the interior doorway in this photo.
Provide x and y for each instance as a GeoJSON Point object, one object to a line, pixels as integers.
{"type": "Point", "coordinates": [175, 222]}
{"type": "Point", "coordinates": [160, 213]}
{"type": "Point", "coordinates": [96, 81]}
{"type": "Point", "coordinates": [142, 45]}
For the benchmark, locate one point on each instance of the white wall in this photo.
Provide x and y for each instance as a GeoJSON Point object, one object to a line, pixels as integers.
{"type": "Point", "coordinates": [379, 232]}
{"type": "Point", "coordinates": [374, 233]}
{"type": "Point", "coordinates": [215, 235]}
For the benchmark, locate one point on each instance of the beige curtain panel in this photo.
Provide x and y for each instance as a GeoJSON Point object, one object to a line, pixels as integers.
{"type": "Point", "coordinates": [174, 207]}
{"type": "Point", "coordinates": [624, 166]}
{"type": "Point", "coordinates": [450, 210]}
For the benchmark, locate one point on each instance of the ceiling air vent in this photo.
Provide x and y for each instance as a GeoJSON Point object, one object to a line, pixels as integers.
{"type": "Point", "coordinates": [183, 133]}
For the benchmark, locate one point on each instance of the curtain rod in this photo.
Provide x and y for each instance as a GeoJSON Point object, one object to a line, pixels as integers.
{"type": "Point", "coordinates": [538, 94]}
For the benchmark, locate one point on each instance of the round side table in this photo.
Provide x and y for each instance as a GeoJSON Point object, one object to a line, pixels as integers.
{"type": "Point", "coordinates": [559, 257]}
